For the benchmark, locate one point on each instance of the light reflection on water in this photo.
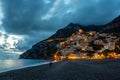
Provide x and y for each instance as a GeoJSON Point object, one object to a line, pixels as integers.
{"type": "Point", "coordinates": [11, 64]}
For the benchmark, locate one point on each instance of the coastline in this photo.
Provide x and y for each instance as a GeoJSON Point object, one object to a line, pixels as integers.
{"type": "Point", "coordinates": [27, 66]}
{"type": "Point", "coordinates": [107, 69]}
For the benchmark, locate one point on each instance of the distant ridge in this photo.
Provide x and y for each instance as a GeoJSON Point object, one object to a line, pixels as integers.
{"type": "Point", "coordinates": [113, 27]}
{"type": "Point", "coordinates": [45, 49]}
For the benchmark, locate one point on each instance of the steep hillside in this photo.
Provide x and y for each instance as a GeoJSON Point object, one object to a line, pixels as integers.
{"type": "Point", "coordinates": [113, 27]}
{"type": "Point", "coordinates": [46, 48]}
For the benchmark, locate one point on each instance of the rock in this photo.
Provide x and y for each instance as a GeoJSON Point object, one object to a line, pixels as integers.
{"type": "Point", "coordinates": [46, 48]}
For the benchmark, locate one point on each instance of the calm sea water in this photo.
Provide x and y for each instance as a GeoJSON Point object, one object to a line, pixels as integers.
{"type": "Point", "coordinates": [10, 64]}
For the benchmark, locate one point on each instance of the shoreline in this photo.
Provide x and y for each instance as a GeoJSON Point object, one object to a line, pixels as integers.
{"type": "Point", "coordinates": [44, 63]}
{"type": "Point", "coordinates": [28, 66]}
{"type": "Point", "coordinates": [107, 69]}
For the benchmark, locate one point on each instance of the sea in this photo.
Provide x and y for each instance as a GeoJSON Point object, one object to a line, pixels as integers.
{"type": "Point", "coordinates": [13, 64]}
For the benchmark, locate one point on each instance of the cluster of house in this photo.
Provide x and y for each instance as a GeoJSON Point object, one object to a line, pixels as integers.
{"type": "Point", "coordinates": [82, 42]}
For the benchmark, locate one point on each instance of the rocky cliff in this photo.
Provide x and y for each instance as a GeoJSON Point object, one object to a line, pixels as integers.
{"type": "Point", "coordinates": [46, 48]}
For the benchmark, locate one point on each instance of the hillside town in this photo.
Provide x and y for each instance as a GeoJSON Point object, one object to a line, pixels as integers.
{"type": "Point", "coordinates": [93, 45]}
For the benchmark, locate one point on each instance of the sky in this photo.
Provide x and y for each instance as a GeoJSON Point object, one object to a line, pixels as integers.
{"type": "Point", "coordinates": [26, 22]}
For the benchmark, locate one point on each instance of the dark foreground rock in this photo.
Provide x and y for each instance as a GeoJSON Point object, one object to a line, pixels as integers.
{"type": "Point", "coordinates": [69, 70]}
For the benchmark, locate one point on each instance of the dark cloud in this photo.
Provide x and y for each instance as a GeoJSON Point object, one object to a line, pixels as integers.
{"type": "Point", "coordinates": [96, 12]}
{"type": "Point", "coordinates": [26, 16]}
{"type": "Point", "coordinates": [38, 19]}
{"type": "Point", "coordinates": [19, 15]}
{"type": "Point", "coordinates": [29, 40]}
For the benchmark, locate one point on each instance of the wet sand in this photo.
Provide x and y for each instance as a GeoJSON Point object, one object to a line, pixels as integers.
{"type": "Point", "coordinates": [108, 69]}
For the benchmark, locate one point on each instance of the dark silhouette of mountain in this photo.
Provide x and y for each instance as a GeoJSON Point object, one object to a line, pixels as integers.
{"type": "Point", "coordinates": [113, 27]}
{"type": "Point", "coordinates": [93, 28]}
{"type": "Point", "coordinates": [47, 48]}
{"type": "Point", "coordinates": [67, 31]}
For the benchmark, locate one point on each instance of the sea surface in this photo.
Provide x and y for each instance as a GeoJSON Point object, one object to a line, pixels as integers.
{"type": "Point", "coordinates": [12, 64]}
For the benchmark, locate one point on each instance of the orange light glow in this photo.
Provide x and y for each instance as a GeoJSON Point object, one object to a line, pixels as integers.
{"type": "Point", "coordinates": [102, 56]}
{"type": "Point", "coordinates": [112, 55]}
{"type": "Point", "coordinates": [62, 43]}
{"type": "Point", "coordinates": [90, 33]}
{"type": "Point", "coordinates": [56, 57]}
{"type": "Point", "coordinates": [80, 30]}
{"type": "Point", "coordinates": [73, 56]}
{"type": "Point", "coordinates": [98, 56]}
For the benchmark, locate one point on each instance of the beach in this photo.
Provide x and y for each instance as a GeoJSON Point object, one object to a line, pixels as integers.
{"type": "Point", "coordinates": [104, 69]}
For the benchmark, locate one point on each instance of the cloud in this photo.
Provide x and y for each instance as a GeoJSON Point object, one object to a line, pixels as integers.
{"type": "Point", "coordinates": [9, 42]}
{"type": "Point", "coordinates": [27, 16]}
{"type": "Point", "coordinates": [8, 55]}
{"type": "Point", "coordinates": [51, 12]}
{"type": "Point", "coordinates": [37, 20]}
{"type": "Point", "coordinates": [20, 15]}
{"type": "Point", "coordinates": [1, 15]}
{"type": "Point", "coordinates": [67, 2]}
{"type": "Point", "coordinates": [47, 1]}
{"type": "Point", "coordinates": [29, 40]}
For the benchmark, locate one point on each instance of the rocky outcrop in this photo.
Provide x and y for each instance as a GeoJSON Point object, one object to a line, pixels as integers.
{"type": "Point", "coordinates": [46, 48]}
{"type": "Point", "coordinates": [113, 27]}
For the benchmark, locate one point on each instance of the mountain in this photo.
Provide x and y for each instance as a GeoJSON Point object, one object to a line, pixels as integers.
{"type": "Point", "coordinates": [46, 48]}
{"type": "Point", "coordinates": [89, 43]}
{"type": "Point", "coordinates": [113, 27]}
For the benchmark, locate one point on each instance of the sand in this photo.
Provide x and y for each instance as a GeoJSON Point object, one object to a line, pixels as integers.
{"type": "Point", "coordinates": [108, 69]}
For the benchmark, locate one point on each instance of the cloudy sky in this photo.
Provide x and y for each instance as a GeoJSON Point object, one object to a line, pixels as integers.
{"type": "Point", "coordinates": [26, 22]}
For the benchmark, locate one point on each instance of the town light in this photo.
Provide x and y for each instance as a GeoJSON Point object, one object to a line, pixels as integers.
{"type": "Point", "coordinates": [80, 30]}
{"type": "Point", "coordinates": [56, 57]}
